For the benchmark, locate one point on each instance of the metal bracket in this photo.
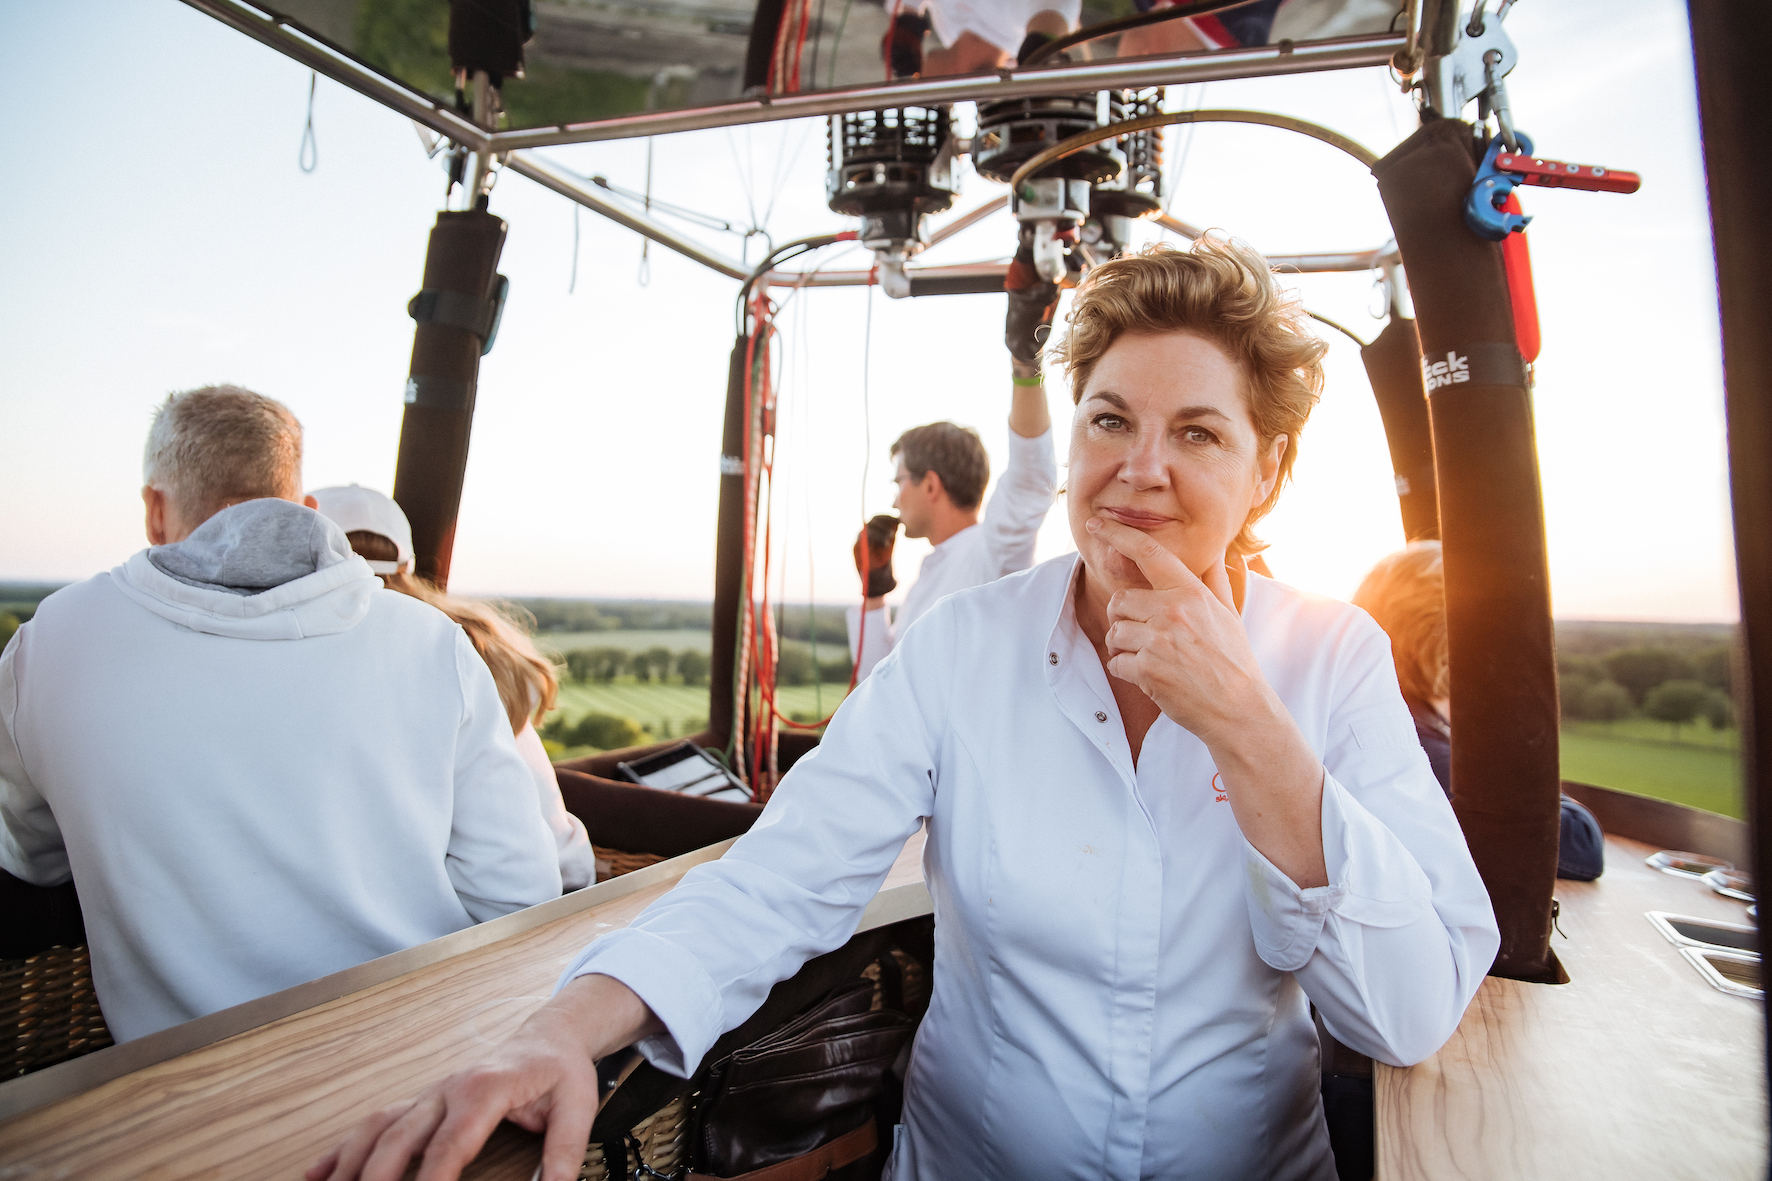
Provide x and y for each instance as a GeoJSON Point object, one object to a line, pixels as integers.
{"type": "Point", "coordinates": [1045, 203]}
{"type": "Point", "coordinates": [1459, 77]}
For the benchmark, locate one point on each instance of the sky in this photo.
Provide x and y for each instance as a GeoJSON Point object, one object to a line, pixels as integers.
{"type": "Point", "coordinates": [162, 236]}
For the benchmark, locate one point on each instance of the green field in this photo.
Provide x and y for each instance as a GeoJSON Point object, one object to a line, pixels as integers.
{"type": "Point", "coordinates": [1638, 757]}
{"type": "Point", "coordinates": [678, 707]}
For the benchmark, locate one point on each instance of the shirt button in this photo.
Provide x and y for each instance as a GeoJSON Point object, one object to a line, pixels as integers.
{"type": "Point", "coordinates": [1052, 658]}
{"type": "Point", "coordinates": [1099, 716]}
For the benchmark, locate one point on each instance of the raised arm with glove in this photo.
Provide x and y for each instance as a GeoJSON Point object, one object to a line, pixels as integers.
{"type": "Point", "coordinates": [873, 557]}
{"type": "Point", "coordinates": [974, 544]}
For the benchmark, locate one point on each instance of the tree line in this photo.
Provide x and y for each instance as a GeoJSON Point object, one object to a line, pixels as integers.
{"type": "Point", "coordinates": [1664, 683]}
{"type": "Point", "coordinates": [792, 622]}
{"type": "Point", "coordinates": [794, 666]}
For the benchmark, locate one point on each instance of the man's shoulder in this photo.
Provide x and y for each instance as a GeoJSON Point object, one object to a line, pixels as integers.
{"type": "Point", "coordinates": [397, 615]}
{"type": "Point", "coordinates": [74, 604]}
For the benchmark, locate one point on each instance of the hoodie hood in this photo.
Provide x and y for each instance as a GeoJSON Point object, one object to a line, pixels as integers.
{"type": "Point", "coordinates": [259, 570]}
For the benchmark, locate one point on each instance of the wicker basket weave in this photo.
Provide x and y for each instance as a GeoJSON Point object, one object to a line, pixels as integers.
{"type": "Point", "coordinates": [663, 1138]}
{"type": "Point", "coordinates": [612, 863]}
{"type": "Point", "coordinates": [48, 1011]}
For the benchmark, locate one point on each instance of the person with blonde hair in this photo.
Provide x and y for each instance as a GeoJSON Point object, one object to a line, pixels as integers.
{"type": "Point", "coordinates": [379, 532]}
{"type": "Point", "coordinates": [1170, 804]}
{"type": "Point", "coordinates": [1405, 593]}
{"type": "Point", "coordinates": [257, 768]}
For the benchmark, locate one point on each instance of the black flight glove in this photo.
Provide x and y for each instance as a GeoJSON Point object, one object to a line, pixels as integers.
{"type": "Point", "coordinates": [873, 555]}
{"type": "Point", "coordinates": [1032, 302]}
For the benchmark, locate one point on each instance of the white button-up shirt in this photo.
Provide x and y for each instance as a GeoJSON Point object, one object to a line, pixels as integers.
{"type": "Point", "coordinates": [1001, 543]}
{"type": "Point", "coordinates": [1121, 981]}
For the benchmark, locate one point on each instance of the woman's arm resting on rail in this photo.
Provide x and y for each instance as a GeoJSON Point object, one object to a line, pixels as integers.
{"type": "Point", "coordinates": [1394, 948]}
{"type": "Point", "coordinates": [1182, 643]}
{"type": "Point", "coordinates": [705, 956]}
{"type": "Point", "coordinates": [1359, 880]}
{"type": "Point", "coordinates": [544, 1078]}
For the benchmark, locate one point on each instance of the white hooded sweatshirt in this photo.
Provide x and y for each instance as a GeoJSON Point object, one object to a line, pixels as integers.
{"type": "Point", "coordinates": [259, 767]}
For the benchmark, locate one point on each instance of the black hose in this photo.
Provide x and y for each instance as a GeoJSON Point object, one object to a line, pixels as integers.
{"type": "Point", "coordinates": [779, 255]}
{"type": "Point", "coordinates": [1109, 28]}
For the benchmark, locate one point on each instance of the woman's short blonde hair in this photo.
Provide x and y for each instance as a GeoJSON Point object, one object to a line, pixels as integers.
{"type": "Point", "coordinates": [528, 687]}
{"type": "Point", "coordinates": [1406, 594]}
{"type": "Point", "coordinates": [1223, 291]}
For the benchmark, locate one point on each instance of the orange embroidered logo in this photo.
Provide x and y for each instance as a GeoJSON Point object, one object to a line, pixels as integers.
{"type": "Point", "coordinates": [1218, 796]}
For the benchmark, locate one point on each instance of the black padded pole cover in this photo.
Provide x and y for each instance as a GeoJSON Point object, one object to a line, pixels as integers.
{"type": "Point", "coordinates": [1393, 365]}
{"type": "Point", "coordinates": [463, 258]}
{"type": "Point", "coordinates": [1735, 109]}
{"type": "Point", "coordinates": [728, 559]}
{"type": "Point", "coordinates": [1504, 674]}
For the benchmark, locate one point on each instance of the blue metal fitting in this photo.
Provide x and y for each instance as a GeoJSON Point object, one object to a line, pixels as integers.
{"type": "Point", "coordinates": [1482, 208]}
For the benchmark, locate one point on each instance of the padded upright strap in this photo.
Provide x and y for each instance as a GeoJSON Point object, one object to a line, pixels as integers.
{"type": "Point", "coordinates": [815, 1165]}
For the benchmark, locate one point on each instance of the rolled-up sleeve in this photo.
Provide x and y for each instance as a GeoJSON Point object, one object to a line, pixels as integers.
{"type": "Point", "coordinates": [1019, 503]}
{"type": "Point", "coordinates": [705, 956]}
{"type": "Point", "coordinates": [1393, 948]}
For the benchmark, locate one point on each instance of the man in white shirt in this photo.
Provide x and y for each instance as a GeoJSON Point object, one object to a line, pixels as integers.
{"type": "Point", "coordinates": [259, 766]}
{"type": "Point", "coordinates": [942, 473]}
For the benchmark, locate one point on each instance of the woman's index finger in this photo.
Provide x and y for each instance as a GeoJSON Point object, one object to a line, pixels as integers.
{"type": "Point", "coordinates": [1162, 569]}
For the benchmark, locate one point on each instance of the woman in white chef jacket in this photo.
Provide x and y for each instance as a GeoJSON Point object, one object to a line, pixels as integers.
{"type": "Point", "coordinates": [1170, 803]}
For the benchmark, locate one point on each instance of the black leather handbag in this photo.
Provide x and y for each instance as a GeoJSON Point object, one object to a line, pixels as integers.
{"type": "Point", "coordinates": [799, 1102]}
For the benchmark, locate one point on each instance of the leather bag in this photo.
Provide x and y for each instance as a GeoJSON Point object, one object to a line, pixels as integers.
{"type": "Point", "coordinates": [801, 1098]}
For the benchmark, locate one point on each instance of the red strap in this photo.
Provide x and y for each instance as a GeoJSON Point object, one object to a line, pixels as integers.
{"type": "Point", "coordinates": [815, 1165]}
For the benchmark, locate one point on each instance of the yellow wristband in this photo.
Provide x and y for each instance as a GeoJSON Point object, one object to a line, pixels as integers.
{"type": "Point", "coordinates": [1037, 380]}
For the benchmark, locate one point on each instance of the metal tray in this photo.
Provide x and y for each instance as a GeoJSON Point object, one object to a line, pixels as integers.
{"type": "Point", "coordinates": [1685, 931]}
{"type": "Point", "coordinates": [1727, 971]}
{"type": "Point", "coordinates": [1685, 865]}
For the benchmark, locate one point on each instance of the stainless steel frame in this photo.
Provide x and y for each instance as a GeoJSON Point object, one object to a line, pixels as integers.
{"type": "Point", "coordinates": [1351, 53]}
{"type": "Point", "coordinates": [1346, 54]}
{"type": "Point", "coordinates": [414, 104]}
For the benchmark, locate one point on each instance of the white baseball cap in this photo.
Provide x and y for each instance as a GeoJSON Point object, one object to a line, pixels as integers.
{"type": "Point", "coordinates": [355, 508]}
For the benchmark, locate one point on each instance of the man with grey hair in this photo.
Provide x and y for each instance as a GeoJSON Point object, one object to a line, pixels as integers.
{"type": "Point", "coordinates": [258, 765]}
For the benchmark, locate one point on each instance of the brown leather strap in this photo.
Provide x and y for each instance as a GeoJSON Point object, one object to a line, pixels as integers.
{"type": "Point", "coordinates": [815, 1165]}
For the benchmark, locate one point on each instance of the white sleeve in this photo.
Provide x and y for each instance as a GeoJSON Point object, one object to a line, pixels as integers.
{"type": "Point", "coordinates": [31, 845]}
{"type": "Point", "coordinates": [1019, 503]}
{"type": "Point", "coordinates": [705, 956]}
{"type": "Point", "coordinates": [501, 855]}
{"type": "Point", "coordinates": [572, 846]}
{"type": "Point", "coordinates": [1393, 949]}
{"type": "Point", "coordinates": [874, 641]}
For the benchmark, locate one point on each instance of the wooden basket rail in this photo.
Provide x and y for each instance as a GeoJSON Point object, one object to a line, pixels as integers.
{"type": "Point", "coordinates": [49, 1012]}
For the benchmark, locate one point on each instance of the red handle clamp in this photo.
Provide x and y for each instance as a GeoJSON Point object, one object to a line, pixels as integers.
{"type": "Point", "coordinates": [1554, 174]}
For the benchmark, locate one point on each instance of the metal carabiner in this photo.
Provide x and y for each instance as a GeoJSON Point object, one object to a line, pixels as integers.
{"type": "Point", "coordinates": [1482, 207]}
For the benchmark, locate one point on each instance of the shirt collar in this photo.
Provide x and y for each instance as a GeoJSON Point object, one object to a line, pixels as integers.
{"type": "Point", "coordinates": [1064, 621]}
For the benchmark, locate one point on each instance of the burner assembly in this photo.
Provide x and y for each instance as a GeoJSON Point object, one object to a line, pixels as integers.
{"type": "Point", "coordinates": [893, 167]}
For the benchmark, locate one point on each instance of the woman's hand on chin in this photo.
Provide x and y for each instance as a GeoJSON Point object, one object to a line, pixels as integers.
{"type": "Point", "coordinates": [544, 1078]}
{"type": "Point", "coordinates": [1183, 644]}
